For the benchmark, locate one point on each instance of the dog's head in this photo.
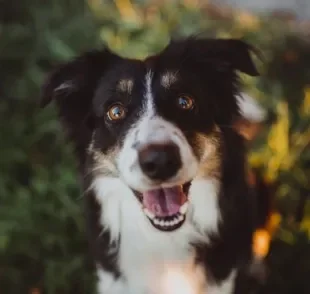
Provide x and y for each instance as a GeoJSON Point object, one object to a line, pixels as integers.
{"type": "Point", "coordinates": [150, 131]}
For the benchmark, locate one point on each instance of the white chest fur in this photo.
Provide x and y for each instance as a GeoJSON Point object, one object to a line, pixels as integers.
{"type": "Point", "coordinates": [193, 284]}
{"type": "Point", "coordinates": [146, 257]}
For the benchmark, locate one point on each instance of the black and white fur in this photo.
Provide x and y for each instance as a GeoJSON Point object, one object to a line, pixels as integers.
{"type": "Point", "coordinates": [216, 236]}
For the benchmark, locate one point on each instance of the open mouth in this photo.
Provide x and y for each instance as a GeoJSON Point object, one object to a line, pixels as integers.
{"type": "Point", "coordinates": [166, 207]}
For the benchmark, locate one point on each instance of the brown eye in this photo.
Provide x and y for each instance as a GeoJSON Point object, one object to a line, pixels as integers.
{"type": "Point", "coordinates": [116, 112]}
{"type": "Point", "coordinates": [185, 102]}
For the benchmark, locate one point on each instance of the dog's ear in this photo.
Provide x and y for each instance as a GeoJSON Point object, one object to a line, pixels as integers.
{"type": "Point", "coordinates": [72, 86]}
{"type": "Point", "coordinates": [238, 54]}
{"type": "Point", "coordinates": [228, 54]}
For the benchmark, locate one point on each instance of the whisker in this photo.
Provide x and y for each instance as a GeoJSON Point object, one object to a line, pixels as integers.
{"type": "Point", "coordinates": [101, 170]}
{"type": "Point", "coordinates": [85, 192]}
{"type": "Point", "coordinates": [99, 167]}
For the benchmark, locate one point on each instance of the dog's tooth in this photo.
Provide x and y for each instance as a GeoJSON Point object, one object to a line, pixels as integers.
{"type": "Point", "coordinates": [183, 208]}
{"type": "Point", "coordinates": [180, 218]}
{"type": "Point", "coordinates": [156, 221]}
{"type": "Point", "coordinates": [162, 223]}
{"type": "Point", "coordinates": [149, 214]}
{"type": "Point", "coordinates": [167, 224]}
{"type": "Point", "coordinates": [175, 221]}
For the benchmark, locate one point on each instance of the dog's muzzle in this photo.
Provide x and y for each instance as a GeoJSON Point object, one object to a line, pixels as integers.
{"type": "Point", "coordinates": [165, 207]}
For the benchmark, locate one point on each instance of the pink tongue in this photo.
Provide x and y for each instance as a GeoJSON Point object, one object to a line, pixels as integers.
{"type": "Point", "coordinates": [163, 202]}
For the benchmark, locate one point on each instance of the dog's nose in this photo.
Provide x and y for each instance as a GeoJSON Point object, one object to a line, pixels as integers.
{"type": "Point", "coordinates": [160, 161]}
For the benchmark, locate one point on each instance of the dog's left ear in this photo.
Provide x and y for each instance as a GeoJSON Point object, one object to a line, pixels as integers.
{"type": "Point", "coordinates": [228, 54]}
{"type": "Point", "coordinates": [238, 54]}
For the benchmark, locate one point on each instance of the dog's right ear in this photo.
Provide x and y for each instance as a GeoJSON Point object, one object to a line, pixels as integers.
{"type": "Point", "coordinates": [75, 76]}
{"type": "Point", "coordinates": [72, 87]}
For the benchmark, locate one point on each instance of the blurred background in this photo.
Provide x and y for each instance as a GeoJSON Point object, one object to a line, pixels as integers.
{"type": "Point", "coordinates": [42, 241]}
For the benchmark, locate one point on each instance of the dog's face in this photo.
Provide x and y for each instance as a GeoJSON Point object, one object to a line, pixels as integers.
{"type": "Point", "coordinates": [151, 129]}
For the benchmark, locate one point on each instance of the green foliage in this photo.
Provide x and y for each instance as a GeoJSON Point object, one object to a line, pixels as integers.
{"type": "Point", "coordinates": [42, 234]}
{"type": "Point", "coordinates": [41, 225]}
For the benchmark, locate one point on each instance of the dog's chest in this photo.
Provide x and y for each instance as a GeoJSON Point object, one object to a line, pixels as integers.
{"type": "Point", "coordinates": [150, 267]}
{"type": "Point", "coordinates": [153, 268]}
{"type": "Point", "coordinates": [145, 256]}
{"type": "Point", "coordinates": [163, 277]}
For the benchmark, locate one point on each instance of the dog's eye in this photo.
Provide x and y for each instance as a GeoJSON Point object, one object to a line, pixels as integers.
{"type": "Point", "coordinates": [116, 112]}
{"type": "Point", "coordinates": [185, 102]}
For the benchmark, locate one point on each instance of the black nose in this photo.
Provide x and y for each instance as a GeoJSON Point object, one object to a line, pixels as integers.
{"type": "Point", "coordinates": [160, 162]}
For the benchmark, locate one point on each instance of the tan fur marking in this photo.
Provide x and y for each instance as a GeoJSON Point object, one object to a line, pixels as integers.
{"type": "Point", "coordinates": [104, 163]}
{"type": "Point", "coordinates": [125, 85]}
{"type": "Point", "coordinates": [211, 162]}
{"type": "Point", "coordinates": [168, 79]}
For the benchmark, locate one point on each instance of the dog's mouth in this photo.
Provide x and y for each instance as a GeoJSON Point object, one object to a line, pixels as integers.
{"type": "Point", "coordinates": [166, 207]}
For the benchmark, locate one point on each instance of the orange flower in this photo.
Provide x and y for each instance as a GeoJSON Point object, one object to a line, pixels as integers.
{"type": "Point", "coordinates": [35, 291]}
{"type": "Point", "coordinates": [290, 56]}
{"type": "Point", "coordinates": [261, 242]}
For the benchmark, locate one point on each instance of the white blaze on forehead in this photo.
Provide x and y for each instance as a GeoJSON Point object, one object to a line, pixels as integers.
{"type": "Point", "coordinates": [152, 128]}
{"type": "Point", "coordinates": [148, 96]}
{"type": "Point", "coordinates": [168, 78]}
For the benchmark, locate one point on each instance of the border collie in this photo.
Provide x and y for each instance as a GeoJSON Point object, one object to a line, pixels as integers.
{"type": "Point", "coordinates": [163, 168]}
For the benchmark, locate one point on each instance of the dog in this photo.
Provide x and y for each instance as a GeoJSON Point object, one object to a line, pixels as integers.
{"type": "Point", "coordinates": [163, 169]}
